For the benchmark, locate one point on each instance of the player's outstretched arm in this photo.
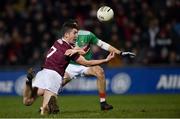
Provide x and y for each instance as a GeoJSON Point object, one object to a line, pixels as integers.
{"type": "Point", "coordinates": [110, 48]}
{"type": "Point", "coordinates": [107, 47]}
{"type": "Point", "coordinates": [71, 52]}
{"type": "Point", "coordinates": [122, 53]}
{"type": "Point", "coordinates": [113, 49]}
{"type": "Point", "coordinates": [81, 60]}
{"type": "Point", "coordinates": [80, 50]}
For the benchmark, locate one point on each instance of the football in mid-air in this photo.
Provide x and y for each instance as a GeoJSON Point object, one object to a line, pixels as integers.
{"type": "Point", "coordinates": [105, 13]}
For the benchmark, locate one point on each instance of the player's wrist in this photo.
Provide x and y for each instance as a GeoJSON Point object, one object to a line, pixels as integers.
{"type": "Point", "coordinates": [106, 60]}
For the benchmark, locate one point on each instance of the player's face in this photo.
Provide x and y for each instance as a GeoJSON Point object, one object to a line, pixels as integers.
{"type": "Point", "coordinates": [73, 35]}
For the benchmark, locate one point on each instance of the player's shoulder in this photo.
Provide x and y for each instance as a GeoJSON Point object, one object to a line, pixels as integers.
{"type": "Point", "coordinates": [84, 32]}
{"type": "Point", "coordinates": [62, 43]}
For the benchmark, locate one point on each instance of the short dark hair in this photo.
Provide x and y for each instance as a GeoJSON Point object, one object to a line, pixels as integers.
{"type": "Point", "coordinates": [71, 21]}
{"type": "Point", "coordinates": [67, 28]}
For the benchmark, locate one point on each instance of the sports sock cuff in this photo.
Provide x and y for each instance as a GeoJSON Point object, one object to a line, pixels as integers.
{"type": "Point", "coordinates": [102, 100]}
{"type": "Point", "coordinates": [102, 95]}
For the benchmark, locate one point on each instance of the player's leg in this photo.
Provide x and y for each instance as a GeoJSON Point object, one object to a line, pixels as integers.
{"type": "Point", "coordinates": [75, 70]}
{"type": "Point", "coordinates": [98, 72]}
{"type": "Point", "coordinates": [49, 105]}
{"type": "Point", "coordinates": [29, 93]}
{"type": "Point", "coordinates": [66, 79]}
{"type": "Point", "coordinates": [71, 72]}
{"type": "Point", "coordinates": [50, 81]}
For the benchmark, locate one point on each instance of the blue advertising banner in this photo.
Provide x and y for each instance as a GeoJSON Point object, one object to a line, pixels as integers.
{"type": "Point", "coordinates": [12, 82]}
{"type": "Point", "coordinates": [134, 80]}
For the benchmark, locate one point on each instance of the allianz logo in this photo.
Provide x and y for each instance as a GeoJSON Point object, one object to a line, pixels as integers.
{"type": "Point", "coordinates": [166, 82]}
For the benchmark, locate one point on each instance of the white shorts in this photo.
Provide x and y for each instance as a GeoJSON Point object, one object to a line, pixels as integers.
{"type": "Point", "coordinates": [48, 79]}
{"type": "Point", "coordinates": [76, 70]}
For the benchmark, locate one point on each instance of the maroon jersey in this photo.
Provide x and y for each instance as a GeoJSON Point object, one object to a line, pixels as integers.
{"type": "Point", "coordinates": [56, 60]}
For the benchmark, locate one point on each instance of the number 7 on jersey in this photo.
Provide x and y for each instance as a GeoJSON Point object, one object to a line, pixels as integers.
{"type": "Point", "coordinates": [52, 51]}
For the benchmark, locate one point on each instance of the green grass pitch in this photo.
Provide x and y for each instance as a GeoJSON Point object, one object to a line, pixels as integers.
{"type": "Point", "coordinates": [76, 106]}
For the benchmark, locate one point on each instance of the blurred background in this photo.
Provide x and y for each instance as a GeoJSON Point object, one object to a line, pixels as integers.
{"type": "Point", "coordinates": [150, 28]}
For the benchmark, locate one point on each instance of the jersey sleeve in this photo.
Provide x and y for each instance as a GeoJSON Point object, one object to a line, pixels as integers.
{"type": "Point", "coordinates": [94, 39]}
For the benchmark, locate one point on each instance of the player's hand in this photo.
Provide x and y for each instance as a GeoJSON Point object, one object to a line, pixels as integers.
{"type": "Point", "coordinates": [80, 50]}
{"type": "Point", "coordinates": [110, 56]}
{"type": "Point", "coordinates": [70, 52]}
{"type": "Point", "coordinates": [129, 54]}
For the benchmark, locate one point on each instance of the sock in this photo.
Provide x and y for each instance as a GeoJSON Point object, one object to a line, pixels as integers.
{"type": "Point", "coordinates": [102, 97]}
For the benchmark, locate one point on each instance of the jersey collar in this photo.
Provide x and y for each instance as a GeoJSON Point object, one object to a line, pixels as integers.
{"type": "Point", "coordinates": [60, 40]}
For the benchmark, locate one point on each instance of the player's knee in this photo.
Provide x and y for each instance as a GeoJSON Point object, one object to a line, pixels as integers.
{"type": "Point", "coordinates": [40, 92]}
{"type": "Point", "coordinates": [27, 101]}
{"type": "Point", "coordinates": [99, 72]}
